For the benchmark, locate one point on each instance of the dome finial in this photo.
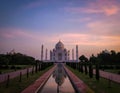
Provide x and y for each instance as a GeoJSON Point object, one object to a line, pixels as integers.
{"type": "Point", "coordinates": [59, 40]}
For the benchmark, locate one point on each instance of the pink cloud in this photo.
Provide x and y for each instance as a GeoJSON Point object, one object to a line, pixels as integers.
{"type": "Point", "coordinates": [89, 39]}
{"type": "Point", "coordinates": [29, 42]}
{"type": "Point", "coordinates": [107, 7]}
{"type": "Point", "coordinates": [13, 33]}
{"type": "Point", "coordinates": [107, 26]}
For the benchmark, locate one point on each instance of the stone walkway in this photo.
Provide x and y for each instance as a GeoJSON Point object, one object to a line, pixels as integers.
{"type": "Point", "coordinates": [34, 88]}
{"type": "Point", "coordinates": [108, 75]}
{"type": "Point", "coordinates": [3, 77]}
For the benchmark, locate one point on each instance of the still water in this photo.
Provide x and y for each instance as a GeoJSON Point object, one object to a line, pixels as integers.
{"type": "Point", "coordinates": [58, 82]}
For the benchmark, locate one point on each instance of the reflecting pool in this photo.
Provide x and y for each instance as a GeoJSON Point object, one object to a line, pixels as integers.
{"type": "Point", "coordinates": [58, 82]}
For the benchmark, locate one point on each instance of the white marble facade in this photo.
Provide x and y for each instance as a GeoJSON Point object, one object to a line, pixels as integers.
{"type": "Point", "coordinates": [59, 53]}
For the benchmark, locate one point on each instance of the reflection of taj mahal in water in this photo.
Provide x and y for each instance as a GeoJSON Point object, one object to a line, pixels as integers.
{"type": "Point", "coordinates": [60, 54]}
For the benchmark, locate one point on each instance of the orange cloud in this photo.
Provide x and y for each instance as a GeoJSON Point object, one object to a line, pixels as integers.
{"type": "Point", "coordinates": [111, 10]}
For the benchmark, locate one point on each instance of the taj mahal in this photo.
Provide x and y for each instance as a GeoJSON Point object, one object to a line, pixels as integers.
{"type": "Point", "coordinates": [59, 54]}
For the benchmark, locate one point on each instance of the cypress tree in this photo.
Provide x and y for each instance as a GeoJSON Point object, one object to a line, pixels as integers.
{"type": "Point", "coordinates": [32, 70]}
{"type": "Point", "coordinates": [82, 67]}
{"type": "Point", "coordinates": [90, 70]}
{"type": "Point", "coordinates": [27, 72]}
{"type": "Point", "coordinates": [97, 72]}
{"type": "Point", "coordinates": [8, 81]}
{"type": "Point", "coordinates": [36, 67]}
{"type": "Point", "coordinates": [86, 68]}
{"type": "Point", "coordinates": [79, 66]}
{"type": "Point", "coordinates": [39, 66]}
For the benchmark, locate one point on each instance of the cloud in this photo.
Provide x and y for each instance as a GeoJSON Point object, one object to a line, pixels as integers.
{"type": "Point", "coordinates": [85, 19]}
{"type": "Point", "coordinates": [105, 26]}
{"type": "Point", "coordinates": [24, 41]}
{"type": "Point", "coordinates": [20, 34]}
{"type": "Point", "coordinates": [111, 11]}
{"type": "Point", "coordinates": [33, 4]}
{"type": "Point", "coordinates": [106, 7]}
{"type": "Point", "coordinates": [30, 41]}
{"type": "Point", "coordinates": [14, 33]}
{"type": "Point", "coordinates": [98, 24]}
{"type": "Point", "coordinates": [68, 38]}
{"type": "Point", "coordinates": [89, 39]}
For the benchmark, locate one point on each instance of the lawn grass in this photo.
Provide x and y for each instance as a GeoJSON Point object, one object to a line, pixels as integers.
{"type": "Point", "coordinates": [101, 86]}
{"type": "Point", "coordinates": [16, 87]}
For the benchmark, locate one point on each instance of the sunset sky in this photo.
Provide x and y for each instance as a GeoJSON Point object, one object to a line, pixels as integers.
{"type": "Point", "coordinates": [27, 24]}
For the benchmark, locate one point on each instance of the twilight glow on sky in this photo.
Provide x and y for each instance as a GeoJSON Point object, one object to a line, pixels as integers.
{"type": "Point", "coordinates": [27, 24]}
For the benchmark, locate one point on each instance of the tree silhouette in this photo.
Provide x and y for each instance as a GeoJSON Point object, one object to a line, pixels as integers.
{"type": "Point", "coordinates": [83, 61]}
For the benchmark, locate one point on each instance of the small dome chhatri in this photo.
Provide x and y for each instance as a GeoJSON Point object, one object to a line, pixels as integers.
{"type": "Point", "coordinates": [59, 45]}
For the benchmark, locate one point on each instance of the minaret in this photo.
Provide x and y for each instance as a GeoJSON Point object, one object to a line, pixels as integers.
{"type": "Point", "coordinates": [68, 55]}
{"type": "Point", "coordinates": [77, 59]}
{"type": "Point", "coordinates": [46, 54]}
{"type": "Point", "coordinates": [42, 53]}
{"type": "Point", "coordinates": [50, 55]}
{"type": "Point", "coordinates": [72, 54]}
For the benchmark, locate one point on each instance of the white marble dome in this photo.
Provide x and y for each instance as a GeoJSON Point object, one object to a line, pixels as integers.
{"type": "Point", "coordinates": [59, 45]}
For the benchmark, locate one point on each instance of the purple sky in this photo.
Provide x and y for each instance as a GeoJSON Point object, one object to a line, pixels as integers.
{"type": "Point", "coordinates": [27, 24]}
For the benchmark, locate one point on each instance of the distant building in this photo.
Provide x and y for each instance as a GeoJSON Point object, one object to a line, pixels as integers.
{"type": "Point", "coordinates": [60, 54]}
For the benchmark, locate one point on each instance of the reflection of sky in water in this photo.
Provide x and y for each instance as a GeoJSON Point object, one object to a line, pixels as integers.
{"type": "Point", "coordinates": [51, 84]}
